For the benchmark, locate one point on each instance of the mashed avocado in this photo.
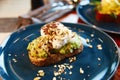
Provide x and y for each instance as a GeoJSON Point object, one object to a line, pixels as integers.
{"type": "Point", "coordinates": [40, 47]}
{"type": "Point", "coordinates": [70, 46]}
{"type": "Point", "coordinates": [61, 40]}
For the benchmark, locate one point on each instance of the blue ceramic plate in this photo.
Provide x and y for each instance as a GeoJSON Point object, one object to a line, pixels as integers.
{"type": "Point", "coordinates": [93, 63]}
{"type": "Point", "coordinates": [87, 14]}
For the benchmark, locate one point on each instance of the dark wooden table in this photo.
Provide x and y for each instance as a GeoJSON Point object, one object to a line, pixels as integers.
{"type": "Point", "coordinates": [8, 24]}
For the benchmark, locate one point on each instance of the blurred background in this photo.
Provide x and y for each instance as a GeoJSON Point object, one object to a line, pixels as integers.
{"type": "Point", "coordinates": [15, 8]}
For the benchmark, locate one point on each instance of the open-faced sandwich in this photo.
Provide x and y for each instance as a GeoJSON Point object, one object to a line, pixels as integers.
{"type": "Point", "coordinates": [108, 11]}
{"type": "Point", "coordinates": [56, 43]}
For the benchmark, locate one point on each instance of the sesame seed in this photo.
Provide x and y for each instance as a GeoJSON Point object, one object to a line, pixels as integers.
{"type": "Point", "coordinates": [55, 66]}
{"type": "Point", "coordinates": [14, 60]}
{"type": "Point", "coordinates": [72, 59]}
{"type": "Point", "coordinates": [88, 66]}
{"type": "Point", "coordinates": [56, 73]}
{"type": "Point", "coordinates": [90, 46]}
{"type": "Point", "coordinates": [15, 55]}
{"type": "Point", "coordinates": [41, 72]}
{"type": "Point", "coordinates": [70, 72]}
{"type": "Point", "coordinates": [99, 47]}
{"type": "Point", "coordinates": [88, 75]}
{"type": "Point", "coordinates": [54, 78]}
{"type": "Point", "coordinates": [65, 72]}
{"type": "Point", "coordinates": [37, 78]}
{"type": "Point", "coordinates": [37, 74]}
{"type": "Point", "coordinates": [92, 35]}
{"type": "Point", "coordinates": [98, 59]}
{"type": "Point", "coordinates": [84, 79]}
{"type": "Point", "coordinates": [71, 66]}
{"type": "Point", "coordinates": [81, 71]}
{"type": "Point", "coordinates": [9, 54]}
{"type": "Point", "coordinates": [87, 40]}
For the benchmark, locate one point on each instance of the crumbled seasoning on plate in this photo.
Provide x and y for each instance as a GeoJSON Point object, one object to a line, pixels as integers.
{"type": "Point", "coordinates": [99, 59]}
{"type": "Point", "coordinates": [87, 40]}
{"type": "Point", "coordinates": [88, 75]}
{"type": "Point", "coordinates": [90, 46]}
{"type": "Point", "coordinates": [15, 55]}
{"type": "Point", "coordinates": [70, 72]}
{"type": "Point", "coordinates": [72, 59]}
{"type": "Point", "coordinates": [92, 35]}
{"type": "Point", "coordinates": [81, 71]}
{"type": "Point", "coordinates": [54, 78]}
{"type": "Point", "coordinates": [9, 54]}
{"type": "Point", "coordinates": [88, 66]}
{"type": "Point", "coordinates": [37, 78]}
{"type": "Point", "coordinates": [40, 74]}
{"type": "Point", "coordinates": [14, 60]}
{"type": "Point", "coordinates": [84, 79]}
{"type": "Point", "coordinates": [99, 46]}
{"type": "Point", "coordinates": [62, 68]}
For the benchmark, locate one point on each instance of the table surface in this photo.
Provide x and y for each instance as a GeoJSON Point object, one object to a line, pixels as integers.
{"type": "Point", "coordinates": [7, 29]}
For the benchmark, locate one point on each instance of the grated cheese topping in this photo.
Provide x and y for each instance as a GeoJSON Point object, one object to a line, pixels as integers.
{"type": "Point", "coordinates": [60, 35]}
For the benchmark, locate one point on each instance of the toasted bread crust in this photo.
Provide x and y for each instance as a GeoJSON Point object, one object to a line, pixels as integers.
{"type": "Point", "coordinates": [53, 58]}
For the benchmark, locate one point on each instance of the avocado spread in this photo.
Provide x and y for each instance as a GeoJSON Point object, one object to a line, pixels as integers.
{"type": "Point", "coordinates": [40, 47]}
{"type": "Point", "coordinates": [55, 38]}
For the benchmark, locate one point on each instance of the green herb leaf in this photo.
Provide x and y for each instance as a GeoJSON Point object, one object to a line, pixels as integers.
{"type": "Point", "coordinates": [95, 2]}
{"type": "Point", "coordinates": [113, 15]}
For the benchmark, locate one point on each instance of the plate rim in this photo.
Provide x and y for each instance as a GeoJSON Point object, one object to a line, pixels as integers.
{"type": "Point", "coordinates": [7, 39]}
{"type": "Point", "coordinates": [87, 22]}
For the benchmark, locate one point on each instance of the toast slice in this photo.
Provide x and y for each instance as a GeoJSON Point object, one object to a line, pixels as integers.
{"type": "Point", "coordinates": [56, 43]}
{"type": "Point", "coordinates": [53, 58]}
